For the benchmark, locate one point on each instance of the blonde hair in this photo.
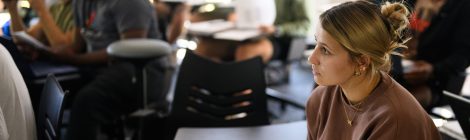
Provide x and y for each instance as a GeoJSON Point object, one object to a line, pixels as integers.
{"type": "Point", "coordinates": [364, 28]}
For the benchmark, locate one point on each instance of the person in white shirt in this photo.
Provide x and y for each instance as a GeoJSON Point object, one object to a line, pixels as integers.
{"type": "Point", "coordinates": [17, 120]}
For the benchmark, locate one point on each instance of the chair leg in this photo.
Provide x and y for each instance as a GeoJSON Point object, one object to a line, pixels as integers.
{"type": "Point", "coordinates": [283, 106]}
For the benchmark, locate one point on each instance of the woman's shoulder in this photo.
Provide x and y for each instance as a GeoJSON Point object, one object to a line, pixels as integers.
{"type": "Point", "coordinates": [398, 95]}
{"type": "Point", "coordinates": [391, 93]}
{"type": "Point", "coordinates": [397, 106]}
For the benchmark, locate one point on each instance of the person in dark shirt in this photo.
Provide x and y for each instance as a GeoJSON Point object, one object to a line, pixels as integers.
{"type": "Point", "coordinates": [440, 51]}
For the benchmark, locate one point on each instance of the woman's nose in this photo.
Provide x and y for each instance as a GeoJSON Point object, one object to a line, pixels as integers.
{"type": "Point", "coordinates": [312, 59]}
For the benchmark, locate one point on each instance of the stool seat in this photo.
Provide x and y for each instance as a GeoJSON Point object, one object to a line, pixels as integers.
{"type": "Point", "coordinates": [139, 49]}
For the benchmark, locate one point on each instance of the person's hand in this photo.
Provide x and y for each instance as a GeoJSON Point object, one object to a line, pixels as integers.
{"type": "Point", "coordinates": [37, 4]}
{"type": "Point", "coordinates": [419, 72]}
{"type": "Point", "coordinates": [267, 29]}
{"type": "Point", "coordinates": [29, 53]}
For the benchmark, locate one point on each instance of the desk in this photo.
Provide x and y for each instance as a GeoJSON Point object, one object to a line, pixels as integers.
{"type": "Point", "coordinates": [448, 127]}
{"type": "Point", "coordinates": [286, 131]}
{"type": "Point", "coordinates": [219, 38]}
{"type": "Point", "coordinates": [452, 131]}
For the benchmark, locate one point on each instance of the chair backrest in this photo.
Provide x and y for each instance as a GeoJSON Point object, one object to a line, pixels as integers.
{"type": "Point", "coordinates": [209, 94]}
{"type": "Point", "coordinates": [50, 110]}
{"type": "Point", "coordinates": [297, 48]}
{"type": "Point", "coordinates": [461, 108]}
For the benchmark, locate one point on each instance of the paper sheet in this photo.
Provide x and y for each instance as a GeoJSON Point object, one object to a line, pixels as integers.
{"type": "Point", "coordinates": [24, 37]}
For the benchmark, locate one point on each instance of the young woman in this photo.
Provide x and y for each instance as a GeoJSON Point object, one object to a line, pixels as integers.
{"type": "Point", "coordinates": [356, 98]}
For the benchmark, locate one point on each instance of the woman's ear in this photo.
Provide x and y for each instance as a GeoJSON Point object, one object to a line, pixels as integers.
{"type": "Point", "coordinates": [363, 62]}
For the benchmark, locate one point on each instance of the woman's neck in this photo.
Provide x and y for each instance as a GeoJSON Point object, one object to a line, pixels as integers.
{"type": "Point", "coordinates": [359, 88]}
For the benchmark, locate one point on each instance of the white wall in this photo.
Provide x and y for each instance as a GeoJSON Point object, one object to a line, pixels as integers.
{"type": "Point", "coordinates": [315, 8]}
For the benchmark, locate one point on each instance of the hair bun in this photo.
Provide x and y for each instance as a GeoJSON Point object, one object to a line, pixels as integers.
{"type": "Point", "coordinates": [396, 14]}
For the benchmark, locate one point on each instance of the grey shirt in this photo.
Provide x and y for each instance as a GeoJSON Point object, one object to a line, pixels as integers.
{"type": "Point", "coordinates": [102, 21]}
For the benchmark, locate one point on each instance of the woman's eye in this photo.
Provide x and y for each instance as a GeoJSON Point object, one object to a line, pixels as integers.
{"type": "Point", "coordinates": [325, 51]}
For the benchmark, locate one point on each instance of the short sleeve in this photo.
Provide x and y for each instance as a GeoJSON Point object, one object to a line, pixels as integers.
{"type": "Point", "coordinates": [133, 15]}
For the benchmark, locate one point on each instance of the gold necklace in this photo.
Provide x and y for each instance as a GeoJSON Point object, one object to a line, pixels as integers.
{"type": "Point", "coordinates": [356, 107]}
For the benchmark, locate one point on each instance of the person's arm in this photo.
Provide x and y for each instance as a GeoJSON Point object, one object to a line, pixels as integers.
{"type": "Point", "coordinates": [100, 56]}
{"type": "Point", "coordinates": [177, 22]}
{"type": "Point", "coordinates": [73, 53]}
{"type": "Point", "coordinates": [15, 19]}
{"type": "Point", "coordinates": [55, 36]}
{"type": "Point", "coordinates": [17, 22]}
{"type": "Point", "coordinates": [18, 25]}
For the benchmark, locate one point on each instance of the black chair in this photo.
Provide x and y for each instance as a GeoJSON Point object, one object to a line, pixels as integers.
{"type": "Point", "coordinates": [295, 54]}
{"type": "Point", "coordinates": [51, 108]}
{"type": "Point", "coordinates": [139, 52]}
{"type": "Point", "coordinates": [461, 108]}
{"type": "Point", "coordinates": [278, 70]}
{"type": "Point", "coordinates": [210, 94]}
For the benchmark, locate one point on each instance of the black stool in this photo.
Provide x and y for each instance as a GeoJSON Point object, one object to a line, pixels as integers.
{"type": "Point", "coordinates": [139, 52]}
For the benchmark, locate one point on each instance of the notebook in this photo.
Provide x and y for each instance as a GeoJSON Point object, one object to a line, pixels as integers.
{"type": "Point", "coordinates": [31, 41]}
{"type": "Point", "coordinates": [209, 28]}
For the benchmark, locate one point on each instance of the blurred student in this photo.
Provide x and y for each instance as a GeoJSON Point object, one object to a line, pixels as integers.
{"type": "Point", "coordinates": [291, 22]}
{"type": "Point", "coordinates": [111, 93]}
{"type": "Point", "coordinates": [171, 17]}
{"type": "Point", "coordinates": [440, 51]}
{"type": "Point", "coordinates": [17, 120]}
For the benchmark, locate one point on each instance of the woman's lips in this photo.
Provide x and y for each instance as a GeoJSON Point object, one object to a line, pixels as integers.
{"type": "Point", "coordinates": [314, 72]}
